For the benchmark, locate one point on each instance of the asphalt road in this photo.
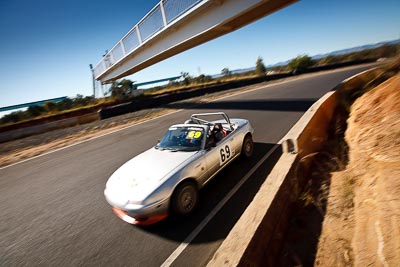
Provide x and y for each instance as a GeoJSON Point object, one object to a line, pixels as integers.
{"type": "Point", "coordinates": [53, 212]}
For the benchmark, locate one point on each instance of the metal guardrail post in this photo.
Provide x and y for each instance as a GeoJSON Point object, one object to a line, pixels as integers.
{"type": "Point", "coordinates": [139, 35]}
{"type": "Point", "coordinates": [122, 48]}
{"type": "Point", "coordinates": [112, 60]}
{"type": "Point", "coordinates": [163, 13]}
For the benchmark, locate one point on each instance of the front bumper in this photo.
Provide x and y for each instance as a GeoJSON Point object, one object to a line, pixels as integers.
{"type": "Point", "coordinates": [140, 214]}
{"type": "Point", "coordinates": [123, 215]}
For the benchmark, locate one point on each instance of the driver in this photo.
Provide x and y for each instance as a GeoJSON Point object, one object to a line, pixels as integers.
{"type": "Point", "coordinates": [218, 132]}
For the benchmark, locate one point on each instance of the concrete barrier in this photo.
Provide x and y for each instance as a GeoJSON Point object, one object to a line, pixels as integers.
{"type": "Point", "coordinates": [257, 237]}
{"type": "Point", "coordinates": [309, 133]}
{"type": "Point", "coordinates": [45, 127]}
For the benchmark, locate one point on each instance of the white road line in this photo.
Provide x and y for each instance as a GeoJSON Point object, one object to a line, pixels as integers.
{"type": "Point", "coordinates": [355, 75]}
{"type": "Point", "coordinates": [217, 208]}
{"type": "Point", "coordinates": [124, 128]}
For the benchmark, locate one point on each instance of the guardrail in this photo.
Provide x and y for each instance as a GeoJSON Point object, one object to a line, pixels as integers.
{"type": "Point", "coordinates": [46, 127]}
{"type": "Point", "coordinates": [163, 14]}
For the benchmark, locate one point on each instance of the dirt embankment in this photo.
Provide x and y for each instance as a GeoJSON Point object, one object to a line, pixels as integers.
{"type": "Point", "coordinates": [348, 213]}
{"type": "Point", "coordinates": [362, 221]}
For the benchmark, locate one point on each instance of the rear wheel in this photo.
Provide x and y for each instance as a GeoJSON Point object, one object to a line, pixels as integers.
{"type": "Point", "coordinates": [185, 198]}
{"type": "Point", "coordinates": [247, 147]}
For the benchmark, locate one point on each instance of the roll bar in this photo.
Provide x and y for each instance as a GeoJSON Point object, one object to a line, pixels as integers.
{"type": "Point", "coordinates": [195, 117]}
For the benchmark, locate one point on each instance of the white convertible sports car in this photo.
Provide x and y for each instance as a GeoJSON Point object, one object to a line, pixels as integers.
{"type": "Point", "coordinates": [167, 177]}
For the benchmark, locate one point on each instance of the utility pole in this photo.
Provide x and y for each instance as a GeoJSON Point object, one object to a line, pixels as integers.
{"type": "Point", "coordinates": [93, 81]}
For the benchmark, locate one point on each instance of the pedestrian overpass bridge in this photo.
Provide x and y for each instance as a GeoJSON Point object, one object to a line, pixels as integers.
{"type": "Point", "coordinates": [174, 26]}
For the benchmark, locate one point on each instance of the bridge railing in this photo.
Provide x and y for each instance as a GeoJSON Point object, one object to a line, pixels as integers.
{"type": "Point", "coordinates": [163, 14]}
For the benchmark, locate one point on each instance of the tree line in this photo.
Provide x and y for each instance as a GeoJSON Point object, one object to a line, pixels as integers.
{"type": "Point", "coordinates": [48, 108]}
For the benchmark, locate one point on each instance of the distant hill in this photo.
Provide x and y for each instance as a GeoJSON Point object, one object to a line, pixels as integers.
{"type": "Point", "coordinates": [343, 51]}
{"type": "Point", "coordinates": [319, 56]}
{"type": "Point", "coordinates": [356, 49]}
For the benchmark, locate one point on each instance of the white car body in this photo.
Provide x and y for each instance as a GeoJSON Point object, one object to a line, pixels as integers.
{"type": "Point", "coordinates": [144, 186]}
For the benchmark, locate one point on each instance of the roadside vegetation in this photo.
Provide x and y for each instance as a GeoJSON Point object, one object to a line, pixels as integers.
{"type": "Point", "coordinates": [126, 90]}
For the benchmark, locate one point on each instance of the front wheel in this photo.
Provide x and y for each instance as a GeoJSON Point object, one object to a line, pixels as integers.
{"type": "Point", "coordinates": [247, 147]}
{"type": "Point", "coordinates": [185, 198]}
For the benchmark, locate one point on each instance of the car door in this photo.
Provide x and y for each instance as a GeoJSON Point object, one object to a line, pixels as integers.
{"type": "Point", "coordinates": [227, 150]}
{"type": "Point", "coordinates": [217, 157]}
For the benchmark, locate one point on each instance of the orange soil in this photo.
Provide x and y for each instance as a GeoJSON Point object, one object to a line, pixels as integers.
{"type": "Point", "coordinates": [362, 222]}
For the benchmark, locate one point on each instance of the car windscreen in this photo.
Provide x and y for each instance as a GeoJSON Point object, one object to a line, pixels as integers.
{"type": "Point", "coordinates": [182, 139]}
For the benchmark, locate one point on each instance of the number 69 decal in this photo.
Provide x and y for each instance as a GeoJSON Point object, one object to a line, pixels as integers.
{"type": "Point", "coordinates": [225, 154]}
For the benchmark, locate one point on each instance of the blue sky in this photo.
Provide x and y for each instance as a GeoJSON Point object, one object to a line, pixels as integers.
{"type": "Point", "coordinates": [47, 45]}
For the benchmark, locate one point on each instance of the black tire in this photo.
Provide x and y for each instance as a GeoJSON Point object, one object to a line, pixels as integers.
{"type": "Point", "coordinates": [185, 199]}
{"type": "Point", "coordinates": [247, 147]}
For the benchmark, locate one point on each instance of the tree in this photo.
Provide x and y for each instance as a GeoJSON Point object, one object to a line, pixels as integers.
{"type": "Point", "coordinates": [64, 104]}
{"type": "Point", "coordinates": [122, 89]}
{"type": "Point", "coordinates": [36, 110]}
{"type": "Point", "coordinates": [50, 106]}
{"type": "Point", "coordinates": [226, 72]}
{"type": "Point", "coordinates": [80, 100]}
{"type": "Point", "coordinates": [202, 78]}
{"type": "Point", "coordinates": [13, 117]}
{"type": "Point", "coordinates": [260, 67]}
{"type": "Point", "coordinates": [186, 78]}
{"type": "Point", "coordinates": [300, 63]}
{"type": "Point", "coordinates": [128, 85]}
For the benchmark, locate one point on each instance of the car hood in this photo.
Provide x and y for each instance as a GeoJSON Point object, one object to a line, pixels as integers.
{"type": "Point", "coordinates": [140, 176]}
